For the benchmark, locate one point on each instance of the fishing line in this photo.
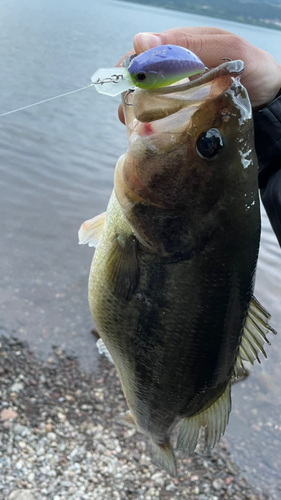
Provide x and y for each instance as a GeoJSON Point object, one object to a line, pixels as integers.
{"type": "Point", "coordinates": [46, 100]}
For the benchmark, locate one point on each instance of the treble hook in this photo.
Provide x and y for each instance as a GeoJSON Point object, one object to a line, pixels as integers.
{"type": "Point", "coordinates": [130, 91]}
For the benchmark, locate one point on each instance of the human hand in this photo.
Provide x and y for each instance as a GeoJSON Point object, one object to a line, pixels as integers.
{"type": "Point", "coordinates": [261, 76]}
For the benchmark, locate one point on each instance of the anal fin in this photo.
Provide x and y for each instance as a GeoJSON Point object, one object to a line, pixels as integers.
{"type": "Point", "coordinates": [214, 419]}
{"type": "Point", "coordinates": [254, 336]}
{"type": "Point", "coordinates": [91, 229]}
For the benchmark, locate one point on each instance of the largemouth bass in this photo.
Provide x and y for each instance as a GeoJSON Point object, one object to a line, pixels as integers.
{"type": "Point", "coordinates": [171, 283]}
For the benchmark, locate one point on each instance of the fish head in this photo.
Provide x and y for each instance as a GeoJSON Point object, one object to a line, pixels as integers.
{"type": "Point", "coordinates": [191, 152]}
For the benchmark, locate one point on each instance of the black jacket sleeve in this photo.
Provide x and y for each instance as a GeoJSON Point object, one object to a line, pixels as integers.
{"type": "Point", "coordinates": [268, 147]}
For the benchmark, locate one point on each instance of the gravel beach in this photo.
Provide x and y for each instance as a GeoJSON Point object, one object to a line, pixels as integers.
{"type": "Point", "coordinates": [59, 439]}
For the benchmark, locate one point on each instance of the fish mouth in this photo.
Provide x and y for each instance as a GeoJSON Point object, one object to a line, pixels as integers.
{"type": "Point", "coordinates": [158, 118]}
{"type": "Point", "coordinates": [163, 126]}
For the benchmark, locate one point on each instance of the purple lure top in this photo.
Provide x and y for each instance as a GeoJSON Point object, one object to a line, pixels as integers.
{"type": "Point", "coordinates": [168, 61]}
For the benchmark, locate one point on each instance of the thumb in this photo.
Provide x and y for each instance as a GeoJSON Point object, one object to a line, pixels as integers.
{"type": "Point", "coordinates": [210, 44]}
{"type": "Point", "coordinates": [146, 41]}
{"type": "Point", "coordinates": [174, 36]}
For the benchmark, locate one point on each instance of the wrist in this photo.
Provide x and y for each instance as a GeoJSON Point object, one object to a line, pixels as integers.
{"type": "Point", "coordinates": [274, 92]}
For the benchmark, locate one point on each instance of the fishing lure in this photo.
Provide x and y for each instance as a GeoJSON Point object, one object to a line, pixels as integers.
{"type": "Point", "coordinates": [157, 67]}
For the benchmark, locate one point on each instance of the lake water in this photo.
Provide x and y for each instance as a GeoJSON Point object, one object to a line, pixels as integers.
{"type": "Point", "coordinates": [56, 170]}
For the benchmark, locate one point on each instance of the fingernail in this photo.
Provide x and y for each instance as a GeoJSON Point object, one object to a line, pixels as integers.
{"type": "Point", "coordinates": [148, 41]}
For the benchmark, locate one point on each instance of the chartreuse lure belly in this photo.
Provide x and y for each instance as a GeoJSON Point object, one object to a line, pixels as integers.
{"type": "Point", "coordinates": [157, 67]}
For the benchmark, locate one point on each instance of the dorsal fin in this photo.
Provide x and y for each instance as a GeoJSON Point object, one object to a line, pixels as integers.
{"type": "Point", "coordinates": [254, 336]}
{"type": "Point", "coordinates": [91, 229]}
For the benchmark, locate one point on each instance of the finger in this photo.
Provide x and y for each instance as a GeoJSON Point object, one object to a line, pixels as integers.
{"type": "Point", "coordinates": [121, 114]}
{"type": "Point", "coordinates": [175, 36]}
{"type": "Point", "coordinates": [210, 47]}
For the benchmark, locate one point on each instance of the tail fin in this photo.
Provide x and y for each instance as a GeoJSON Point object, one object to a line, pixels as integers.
{"type": "Point", "coordinates": [164, 456]}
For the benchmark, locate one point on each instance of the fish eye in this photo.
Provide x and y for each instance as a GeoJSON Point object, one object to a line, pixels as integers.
{"type": "Point", "coordinates": [209, 144]}
{"type": "Point", "coordinates": [140, 76]}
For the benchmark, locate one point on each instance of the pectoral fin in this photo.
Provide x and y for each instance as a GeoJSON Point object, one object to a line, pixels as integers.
{"type": "Point", "coordinates": [122, 270]}
{"type": "Point", "coordinates": [214, 419]}
{"type": "Point", "coordinates": [91, 229]}
{"type": "Point", "coordinates": [254, 335]}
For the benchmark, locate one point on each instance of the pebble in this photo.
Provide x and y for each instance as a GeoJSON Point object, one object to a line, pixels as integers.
{"type": "Point", "coordinates": [61, 417]}
{"type": "Point", "coordinates": [194, 478]}
{"type": "Point", "coordinates": [218, 484]}
{"type": "Point", "coordinates": [196, 490]}
{"type": "Point", "coordinates": [19, 464]}
{"type": "Point", "coordinates": [48, 427]}
{"type": "Point", "coordinates": [16, 387]}
{"type": "Point", "coordinates": [22, 430]}
{"type": "Point", "coordinates": [21, 495]}
{"type": "Point", "coordinates": [51, 436]}
{"type": "Point", "coordinates": [7, 414]}
{"type": "Point", "coordinates": [72, 448]}
{"type": "Point", "coordinates": [170, 487]}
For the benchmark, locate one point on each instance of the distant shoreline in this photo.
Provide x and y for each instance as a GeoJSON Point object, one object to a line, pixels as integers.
{"type": "Point", "coordinates": [209, 11]}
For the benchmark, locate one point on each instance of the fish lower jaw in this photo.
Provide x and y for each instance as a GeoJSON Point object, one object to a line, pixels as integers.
{"type": "Point", "coordinates": [161, 135]}
{"type": "Point", "coordinates": [144, 129]}
{"type": "Point", "coordinates": [146, 138]}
